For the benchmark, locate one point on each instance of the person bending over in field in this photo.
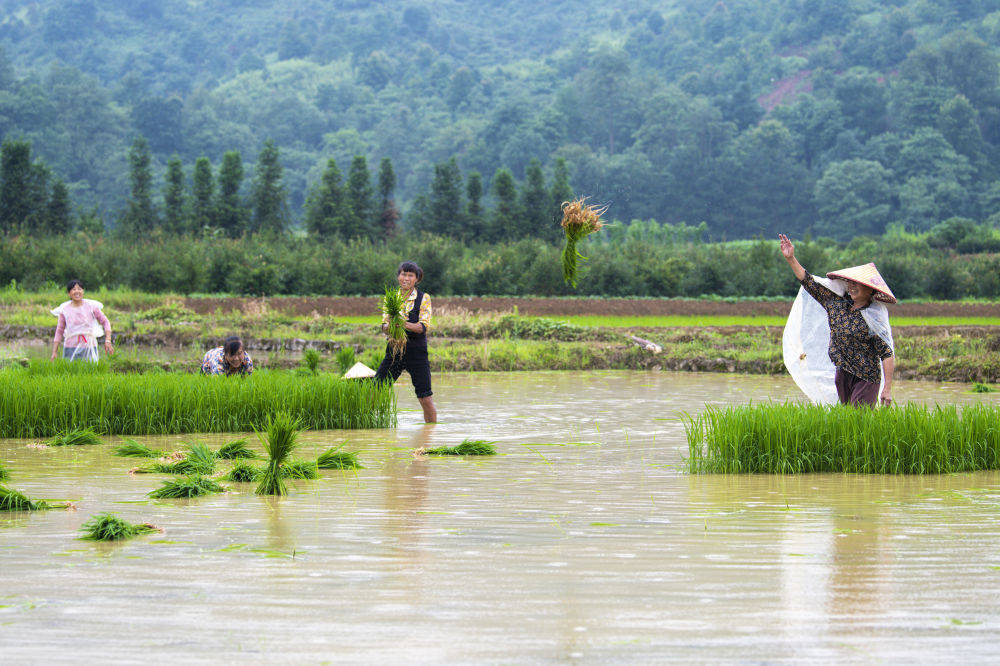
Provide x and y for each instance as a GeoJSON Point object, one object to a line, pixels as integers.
{"type": "Point", "coordinates": [858, 338]}
{"type": "Point", "coordinates": [229, 359]}
{"type": "Point", "coordinates": [81, 322]}
{"type": "Point", "coordinates": [416, 311]}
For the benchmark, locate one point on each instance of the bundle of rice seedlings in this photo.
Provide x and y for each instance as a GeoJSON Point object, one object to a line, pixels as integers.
{"type": "Point", "coordinates": [299, 469]}
{"type": "Point", "coordinates": [334, 458]}
{"type": "Point", "coordinates": [236, 449]}
{"type": "Point", "coordinates": [4, 474]}
{"type": "Point", "coordinates": [11, 500]}
{"type": "Point", "coordinates": [345, 358]}
{"type": "Point", "coordinates": [133, 449]}
{"type": "Point", "coordinates": [468, 447]}
{"type": "Point", "coordinates": [578, 222]}
{"type": "Point", "coordinates": [190, 486]}
{"type": "Point", "coordinates": [392, 305]}
{"type": "Point", "coordinates": [109, 527]}
{"type": "Point", "coordinates": [200, 458]}
{"type": "Point", "coordinates": [279, 440]}
{"type": "Point", "coordinates": [310, 358]}
{"type": "Point", "coordinates": [243, 472]}
{"type": "Point", "coordinates": [75, 437]}
{"type": "Point", "coordinates": [982, 388]}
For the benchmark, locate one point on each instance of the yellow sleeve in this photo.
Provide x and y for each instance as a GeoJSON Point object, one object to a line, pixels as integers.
{"type": "Point", "coordinates": [425, 311]}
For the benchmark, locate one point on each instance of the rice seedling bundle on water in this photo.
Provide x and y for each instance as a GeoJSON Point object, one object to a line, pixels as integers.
{"type": "Point", "coordinates": [133, 449]}
{"type": "Point", "coordinates": [468, 447]}
{"type": "Point", "coordinates": [236, 449]}
{"type": "Point", "coordinates": [279, 439]}
{"type": "Point", "coordinates": [109, 527]}
{"type": "Point", "coordinates": [199, 459]}
{"type": "Point", "coordinates": [4, 474]}
{"type": "Point", "coordinates": [191, 486]}
{"type": "Point", "coordinates": [12, 500]}
{"type": "Point", "coordinates": [42, 405]}
{"type": "Point", "coordinates": [300, 469]}
{"type": "Point", "coordinates": [244, 472]}
{"type": "Point", "coordinates": [392, 306]}
{"type": "Point", "coordinates": [578, 222]}
{"type": "Point", "coordinates": [334, 458]}
{"type": "Point", "coordinates": [791, 438]}
{"type": "Point", "coordinates": [76, 437]}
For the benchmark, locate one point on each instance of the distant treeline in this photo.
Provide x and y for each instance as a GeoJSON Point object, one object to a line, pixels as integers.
{"type": "Point", "coordinates": [643, 259]}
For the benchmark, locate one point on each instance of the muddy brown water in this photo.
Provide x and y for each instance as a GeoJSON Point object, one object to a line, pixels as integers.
{"type": "Point", "coordinates": [584, 541]}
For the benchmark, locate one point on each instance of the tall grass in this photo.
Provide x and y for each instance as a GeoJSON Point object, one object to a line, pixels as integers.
{"type": "Point", "coordinates": [792, 439]}
{"type": "Point", "coordinates": [345, 358]}
{"type": "Point", "coordinates": [310, 360]}
{"type": "Point", "coordinates": [42, 404]}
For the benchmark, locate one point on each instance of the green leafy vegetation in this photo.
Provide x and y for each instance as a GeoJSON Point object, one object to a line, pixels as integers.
{"type": "Point", "coordinates": [190, 486]}
{"type": "Point", "coordinates": [76, 437]}
{"type": "Point", "coordinates": [133, 449]}
{"type": "Point", "coordinates": [244, 472]}
{"type": "Point", "coordinates": [4, 474]}
{"type": "Point", "coordinates": [12, 500]}
{"type": "Point", "coordinates": [976, 388]}
{"type": "Point", "coordinates": [334, 458]}
{"type": "Point", "coordinates": [793, 439]}
{"type": "Point", "coordinates": [34, 405]}
{"type": "Point", "coordinates": [310, 359]}
{"type": "Point", "coordinates": [300, 469]}
{"type": "Point", "coordinates": [280, 438]}
{"type": "Point", "coordinates": [345, 358]}
{"type": "Point", "coordinates": [235, 449]}
{"type": "Point", "coordinates": [109, 527]}
{"type": "Point", "coordinates": [392, 306]}
{"type": "Point", "coordinates": [468, 447]}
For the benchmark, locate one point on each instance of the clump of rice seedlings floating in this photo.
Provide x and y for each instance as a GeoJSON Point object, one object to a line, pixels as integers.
{"type": "Point", "coordinates": [243, 472]}
{"type": "Point", "coordinates": [345, 358]}
{"type": "Point", "coordinates": [300, 469]}
{"type": "Point", "coordinates": [190, 486]}
{"type": "Point", "coordinates": [392, 305]}
{"type": "Point", "coordinates": [579, 221]}
{"type": "Point", "coordinates": [793, 439]}
{"type": "Point", "coordinates": [76, 437]}
{"type": "Point", "coordinates": [234, 450]}
{"type": "Point", "coordinates": [279, 440]}
{"type": "Point", "coordinates": [468, 447]}
{"type": "Point", "coordinates": [199, 459]}
{"type": "Point", "coordinates": [133, 449]}
{"type": "Point", "coordinates": [310, 359]}
{"type": "Point", "coordinates": [109, 527]}
{"type": "Point", "coordinates": [982, 388]}
{"type": "Point", "coordinates": [12, 500]}
{"type": "Point", "coordinates": [334, 458]}
{"type": "Point", "coordinates": [4, 474]}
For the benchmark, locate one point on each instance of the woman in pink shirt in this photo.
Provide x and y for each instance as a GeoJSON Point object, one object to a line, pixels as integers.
{"type": "Point", "coordinates": [81, 322]}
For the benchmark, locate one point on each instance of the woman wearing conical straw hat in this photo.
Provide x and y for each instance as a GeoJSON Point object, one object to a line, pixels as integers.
{"type": "Point", "coordinates": [845, 317]}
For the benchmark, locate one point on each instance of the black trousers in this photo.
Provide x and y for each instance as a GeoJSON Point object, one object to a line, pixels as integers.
{"type": "Point", "coordinates": [415, 361]}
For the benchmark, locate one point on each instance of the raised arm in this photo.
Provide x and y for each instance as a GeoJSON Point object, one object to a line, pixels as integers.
{"type": "Point", "coordinates": [816, 290]}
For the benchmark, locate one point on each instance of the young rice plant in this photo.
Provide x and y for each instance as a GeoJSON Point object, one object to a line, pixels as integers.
{"type": "Point", "coordinates": [109, 527]}
{"type": "Point", "coordinates": [190, 486]}
{"type": "Point", "coordinates": [392, 306]}
{"type": "Point", "coordinates": [468, 447]}
{"type": "Point", "coordinates": [75, 437]}
{"type": "Point", "coordinates": [334, 458]}
{"type": "Point", "coordinates": [279, 439]}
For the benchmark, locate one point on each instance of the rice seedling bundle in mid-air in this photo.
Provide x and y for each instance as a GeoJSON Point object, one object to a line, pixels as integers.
{"type": "Point", "coordinates": [12, 500]}
{"type": "Point", "coordinates": [579, 221]}
{"type": "Point", "coordinates": [334, 458]}
{"type": "Point", "coordinates": [35, 405]}
{"type": "Point", "coordinates": [244, 472]}
{"type": "Point", "coordinates": [133, 449]}
{"type": "Point", "coordinates": [392, 306]}
{"type": "Point", "coordinates": [793, 438]}
{"type": "Point", "coordinates": [76, 437]}
{"type": "Point", "coordinates": [279, 439]}
{"type": "Point", "coordinates": [469, 447]}
{"type": "Point", "coordinates": [235, 449]}
{"type": "Point", "coordinates": [109, 527]}
{"type": "Point", "coordinates": [190, 486]}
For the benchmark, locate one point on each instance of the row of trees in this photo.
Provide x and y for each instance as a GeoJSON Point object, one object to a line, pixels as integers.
{"type": "Point", "coordinates": [630, 266]}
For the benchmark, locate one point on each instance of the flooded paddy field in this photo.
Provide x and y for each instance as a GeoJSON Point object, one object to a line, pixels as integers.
{"type": "Point", "coordinates": [584, 541]}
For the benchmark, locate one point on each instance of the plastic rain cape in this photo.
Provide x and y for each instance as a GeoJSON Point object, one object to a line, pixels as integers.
{"type": "Point", "coordinates": [81, 324]}
{"type": "Point", "coordinates": [806, 342]}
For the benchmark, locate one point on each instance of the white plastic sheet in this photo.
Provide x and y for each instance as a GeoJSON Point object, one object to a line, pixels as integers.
{"type": "Point", "coordinates": [806, 342]}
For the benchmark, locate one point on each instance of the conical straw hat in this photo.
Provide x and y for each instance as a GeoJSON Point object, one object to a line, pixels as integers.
{"type": "Point", "coordinates": [359, 371]}
{"type": "Point", "coordinates": [868, 275]}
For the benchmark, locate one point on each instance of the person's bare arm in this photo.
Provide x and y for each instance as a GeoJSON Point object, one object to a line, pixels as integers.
{"type": "Point", "coordinates": [888, 365]}
{"type": "Point", "coordinates": [788, 251]}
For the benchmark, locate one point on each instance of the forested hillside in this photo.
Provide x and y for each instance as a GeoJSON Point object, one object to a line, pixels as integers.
{"type": "Point", "coordinates": [837, 117]}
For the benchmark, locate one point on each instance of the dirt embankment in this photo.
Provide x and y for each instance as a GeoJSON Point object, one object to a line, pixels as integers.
{"type": "Point", "coordinates": [359, 306]}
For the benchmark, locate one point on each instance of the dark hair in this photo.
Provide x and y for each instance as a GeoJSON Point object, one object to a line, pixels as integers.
{"type": "Point", "coordinates": [73, 283]}
{"type": "Point", "coordinates": [232, 345]}
{"type": "Point", "coordinates": [411, 267]}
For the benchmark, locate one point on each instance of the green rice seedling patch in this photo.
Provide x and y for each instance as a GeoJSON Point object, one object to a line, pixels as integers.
{"type": "Point", "coordinates": [300, 469]}
{"type": "Point", "coordinates": [982, 388]}
{"type": "Point", "coordinates": [334, 458]}
{"type": "Point", "coordinates": [280, 437]}
{"type": "Point", "coordinates": [37, 405]}
{"type": "Point", "coordinates": [76, 437]}
{"type": "Point", "coordinates": [12, 500]}
{"type": "Point", "coordinates": [133, 449]}
{"type": "Point", "coordinates": [236, 449]}
{"type": "Point", "coordinates": [4, 474]}
{"type": "Point", "coordinates": [793, 438]}
{"type": "Point", "coordinates": [109, 527]}
{"type": "Point", "coordinates": [191, 486]}
{"type": "Point", "coordinates": [310, 360]}
{"type": "Point", "coordinates": [244, 472]}
{"type": "Point", "coordinates": [469, 447]}
{"type": "Point", "coordinates": [345, 358]}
